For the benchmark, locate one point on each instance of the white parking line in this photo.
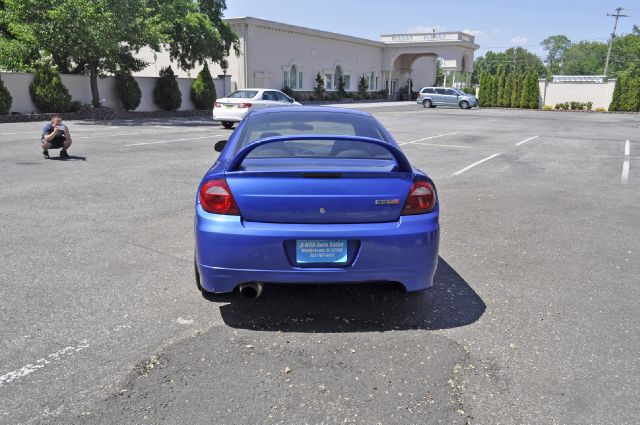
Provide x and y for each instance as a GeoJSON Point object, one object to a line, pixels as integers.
{"type": "Point", "coordinates": [41, 363]}
{"type": "Point", "coordinates": [426, 138]}
{"type": "Point", "coordinates": [175, 140]}
{"type": "Point", "coordinates": [474, 164]}
{"type": "Point", "coordinates": [526, 140]}
{"type": "Point", "coordinates": [627, 148]}
{"type": "Point", "coordinates": [111, 135]}
{"type": "Point", "coordinates": [444, 146]}
{"type": "Point", "coordinates": [625, 165]}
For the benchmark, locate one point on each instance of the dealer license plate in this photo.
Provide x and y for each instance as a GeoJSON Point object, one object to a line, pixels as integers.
{"type": "Point", "coordinates": [321, 251]}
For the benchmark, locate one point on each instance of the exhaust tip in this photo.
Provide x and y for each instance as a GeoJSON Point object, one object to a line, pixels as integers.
{"type": "Point", "coordinates": [251, 290]}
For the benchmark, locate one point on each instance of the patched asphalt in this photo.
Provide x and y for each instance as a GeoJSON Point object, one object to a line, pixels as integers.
{"type": "Point", "coordinates": [533, 317]}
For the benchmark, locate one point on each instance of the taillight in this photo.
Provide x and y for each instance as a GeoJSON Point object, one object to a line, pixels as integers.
{"type": "Point", "coordinates": [216, 197]}
{"type": "Point", "coordinates": [421, 199]}
{"type": "Point", "coordinates": [217, 105]}
{"type": "Point", "coordinates": [244, 105]}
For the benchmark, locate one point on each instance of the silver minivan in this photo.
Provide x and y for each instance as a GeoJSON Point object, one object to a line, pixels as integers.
{"type": "Point", "coordinates": [430, 97]}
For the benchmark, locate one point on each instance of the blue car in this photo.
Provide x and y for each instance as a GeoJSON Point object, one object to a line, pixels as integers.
{"type": "Point", "coordinates": [313, 195]}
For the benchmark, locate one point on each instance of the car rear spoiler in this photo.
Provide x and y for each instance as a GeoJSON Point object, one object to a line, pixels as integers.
{"type": "Point", "coordinates": [401, 160]}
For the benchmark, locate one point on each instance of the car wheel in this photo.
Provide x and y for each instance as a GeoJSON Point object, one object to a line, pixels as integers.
{"type": "Point", "coordinates": [464, 104]}
{"type": "Point", "coordinates": [426, 103]}
{"type": "Point", "coordinates": [227, 124]}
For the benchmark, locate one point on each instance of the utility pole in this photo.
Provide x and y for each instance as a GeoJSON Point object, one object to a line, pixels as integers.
{"type": "Point", "coordinates": [613, 35]}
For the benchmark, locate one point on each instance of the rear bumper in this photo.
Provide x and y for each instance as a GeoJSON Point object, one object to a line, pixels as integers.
{"type": "Point", "coordinates": [230, 252]}
{"type": "Point", "coordinates": [232, 114]}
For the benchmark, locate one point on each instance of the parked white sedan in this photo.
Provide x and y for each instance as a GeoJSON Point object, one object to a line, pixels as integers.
{"type": "Point", "coordinates": [233, 108]}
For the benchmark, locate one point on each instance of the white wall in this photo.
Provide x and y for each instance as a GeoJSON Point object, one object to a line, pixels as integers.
{"type": "Point", "coordinates": [598, 93]}
{"type": "Point", "coordinates": [80, 89]}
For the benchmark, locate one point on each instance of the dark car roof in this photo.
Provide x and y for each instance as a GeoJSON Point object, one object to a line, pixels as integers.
{"type": "Point", "coordinates": [290, 109]}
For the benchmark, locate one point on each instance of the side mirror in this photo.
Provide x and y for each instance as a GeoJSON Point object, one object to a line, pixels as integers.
{"type": "Point", "coordinates": [291, 100]}
{"type": "Point", "coordinates": [220, 145]}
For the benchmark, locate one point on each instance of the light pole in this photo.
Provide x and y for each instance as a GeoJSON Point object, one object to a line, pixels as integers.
{"type": "Point", "coordinates": [613, 35]}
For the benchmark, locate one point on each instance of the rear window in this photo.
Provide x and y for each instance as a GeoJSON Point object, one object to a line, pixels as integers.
{"type": "Point", "coordinates": [427, 91]}
{"type": "Point", "coordinates": [292, 123]}
{"type": "Point", "coordinates": [243, 94]}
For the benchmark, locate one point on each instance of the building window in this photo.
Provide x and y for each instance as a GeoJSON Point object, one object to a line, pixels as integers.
{"type": "Point", "coordinates": [376, 83]}
{"type": "Point", "coordinates": [347, 82]}
{"type": "Point", "coordinates": [328, 81]}
{"type": "Point", "coordinates": [372, 81]}
{"type": "Point", "coordinates": [292, 78]}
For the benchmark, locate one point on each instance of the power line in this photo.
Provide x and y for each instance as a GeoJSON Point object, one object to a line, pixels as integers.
{"type": "Point", "coordinates": [616, 15]}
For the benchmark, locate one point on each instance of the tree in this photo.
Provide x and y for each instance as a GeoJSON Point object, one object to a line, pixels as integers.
{"type": "Point", "coordinates": [319, 90]}
{"type": "Point", "coordinates": [340, 83]}
{"type": "Point", "coordinates": [439, 73]}
{"type": "Point", "coordinates": [493, 100]}
{"type": "Point", "coordinates": [485, 89]}
{"type": "Point", "coordinates": [530, 93]}
{"type": "Point", "coordinates": [363, 85]}
{"type": "Point", "coordinates": [5, 99]}
{"type": "Point", "coordinates": [508, 91]}
{"type": "Point", "coordinates": [502, 80]}
{"type": "Point", "coordinates": [98, 37]}
{"type": "Point", "coordinates": [585, 58]}
{"type": "Point", "coordinates": [203, 90]}
{"type": "Point", "coordinates": [516, 91]}
{"type": "Point", "coordinates": [516, 60]}
{"type": "Point", "coordinates": [167, 93]}
{"type": "Point", "coordinates": [48, 92]}
{"type": "Point", "coordinates": [618, 91]}
{"type": "Point", "coordinates": [556, 47]}
{"type": "Point", "coordinates": [128, 90]}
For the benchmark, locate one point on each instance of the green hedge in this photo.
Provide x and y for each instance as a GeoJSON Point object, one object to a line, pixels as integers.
{"type": "Point", "coordinates": [48, 92]}
{"type": "Point", "coordinates": [626, 94]}
{"type": "Point", "coordinates": [128, 91]}
{"type": "Point", "coordinates": [167, 93]}
{"type": "Point", "coordinates": [5, 99]}
{"type": "Point", "coordinates": [203, 90]}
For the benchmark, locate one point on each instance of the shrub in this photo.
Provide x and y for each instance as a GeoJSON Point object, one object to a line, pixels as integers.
{"type": "Point", "coordinates": [5, 99]}
{"type": "Point", "coordinates": [287, 90]}
{"type": "Point", "coordinates": [319, 91]}
{"type": "Point", "coordinates": [128, 91]}
{"type": "Point", "coordinates": [575, 106]}
{"type": "Point", "coordinates": [363, 86]}
{"type": "Point", "coordinates": [47, 91]}
{"type": "Point", "coordinates": [547, 108]}
{"type": "Point", "coordinates": [559, 106]}
{"type": "Point", "coordinates": [469, 90]}
{"type": "Point", "coordinates": [600, 109]}
{"type": "Point", "coordinates": [589, 105]}
{"type": "Point", "coordinates": [167, 93]}
{"type": "Point", "coordinates": [340, 84]}
{"type": "Point", "coordinates": [203, 90]}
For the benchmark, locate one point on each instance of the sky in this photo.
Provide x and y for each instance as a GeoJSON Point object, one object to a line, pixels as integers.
{"type": "Point", "coordinates": [497, 25]}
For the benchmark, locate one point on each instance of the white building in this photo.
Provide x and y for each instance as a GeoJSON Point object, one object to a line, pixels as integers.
{"type": "Point", "coordinates": [274, 55]}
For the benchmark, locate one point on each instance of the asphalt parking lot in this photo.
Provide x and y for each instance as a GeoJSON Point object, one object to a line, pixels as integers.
{"type": "Point", "coordinates": [533, 318]}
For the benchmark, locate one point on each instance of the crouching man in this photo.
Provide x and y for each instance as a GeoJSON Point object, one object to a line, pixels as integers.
{"type": "Point", "coordinates": [55, 135]}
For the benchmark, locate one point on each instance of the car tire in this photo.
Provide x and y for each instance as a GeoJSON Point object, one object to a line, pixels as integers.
{"type": "Point", "coordinates": [227, 124]}
{"type": "Point", "coordinates": [427, 103]}
{"type": "Point", "coordinates": [464, 105]}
